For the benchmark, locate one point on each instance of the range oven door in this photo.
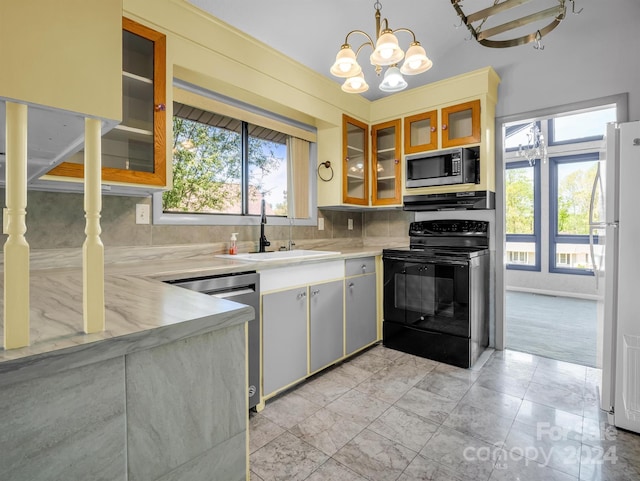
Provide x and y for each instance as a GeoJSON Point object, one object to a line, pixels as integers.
{"type": "Point", "coordinates": [428, 294]}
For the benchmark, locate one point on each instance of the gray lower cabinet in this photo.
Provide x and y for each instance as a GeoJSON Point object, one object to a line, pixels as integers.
{"type": "Point", "coordinates": [326, 309]}
{"type": "Point", "coordinates": [360, 314]}
{"type": "Point", "coordinates": [284, 338]}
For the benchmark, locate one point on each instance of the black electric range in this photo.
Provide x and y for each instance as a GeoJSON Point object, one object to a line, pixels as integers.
{"type": "Point", "coordinates": [436, 291]}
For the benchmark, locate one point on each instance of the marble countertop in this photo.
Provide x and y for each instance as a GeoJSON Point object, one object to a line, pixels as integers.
{"type": "Point", "coordinates": [141, 311]}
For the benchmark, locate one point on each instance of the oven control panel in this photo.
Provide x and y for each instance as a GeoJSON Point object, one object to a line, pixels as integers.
{"type": "Point", "coordinates": [448, 227]}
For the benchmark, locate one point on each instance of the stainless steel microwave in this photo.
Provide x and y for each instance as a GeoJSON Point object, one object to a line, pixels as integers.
{"type": "Point", "coordinates": [443, 167]}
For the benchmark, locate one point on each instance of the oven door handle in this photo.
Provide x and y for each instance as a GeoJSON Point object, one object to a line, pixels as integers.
{"type": "Point", "coordinates": [431, 260]}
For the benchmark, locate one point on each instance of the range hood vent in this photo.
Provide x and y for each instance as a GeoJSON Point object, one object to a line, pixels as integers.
{"type": "Point", "coordinates": [450, 201]}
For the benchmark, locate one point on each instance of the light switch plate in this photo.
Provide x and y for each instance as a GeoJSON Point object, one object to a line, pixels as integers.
{"type": "Point", "coordinates": [350, 224]}
{"type": "Point", "coordinates": [5, 216]}
{"type": "Point", "coordinates": [142, 214]}
{"type": "Point", "coordinates": [320, 223]}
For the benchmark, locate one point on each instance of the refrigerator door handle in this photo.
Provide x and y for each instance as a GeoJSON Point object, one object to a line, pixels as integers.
{"type": "Point", "coordinates": [594, 187]}
{"type": "Point", "coordinates": [593, 257]}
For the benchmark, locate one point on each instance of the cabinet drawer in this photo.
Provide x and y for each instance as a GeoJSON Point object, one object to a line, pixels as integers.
{"type": "Point", "coordinates": [359, 266]}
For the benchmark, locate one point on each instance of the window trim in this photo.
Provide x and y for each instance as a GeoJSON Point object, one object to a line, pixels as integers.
{"type": "Point", "coordinates": [251, 113]}
{"type": "Point", "coordinates": [536, 236]}
{"type": "Point", "coordinates": [554, 237]}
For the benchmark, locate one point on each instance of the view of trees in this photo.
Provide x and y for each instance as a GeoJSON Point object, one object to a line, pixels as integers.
{"type": "Point", "coordinates": [575, 181]}
{"type": "Point", "coordinates": [207, 168]}
{"type": "Point", "coordinates": [574, 196]}
{"type": "Point", "coordinates": [519, 200]}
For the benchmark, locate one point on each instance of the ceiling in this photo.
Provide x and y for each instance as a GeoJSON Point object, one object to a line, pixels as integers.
{"type": "Point", "coordinates": [311, 32]}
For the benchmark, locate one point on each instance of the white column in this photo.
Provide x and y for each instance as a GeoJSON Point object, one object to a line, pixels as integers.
{"type": "Point", "coordinates": [93, 249]}
{"type": "Point", "coordinates": [16, 248]}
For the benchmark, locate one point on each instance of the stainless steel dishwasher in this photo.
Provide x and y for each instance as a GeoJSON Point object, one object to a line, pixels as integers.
{"type": "Point", "coordinates": [242, 287]}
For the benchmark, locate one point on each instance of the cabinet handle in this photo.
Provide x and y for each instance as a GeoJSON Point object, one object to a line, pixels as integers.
{"type": "Point", "coordinates": [433, 129]}
{"type": "Point", "coordinates": [315, 293]}
{"type": "Point", "coordinates": [160, 107]}
{"type": "Point", "coordinates": [364, 268]}
{"type": "Point", "coordinates": [396, 161]}
{"type": "Point", "coordinates": [444, 126]}
{"type": "Point", "coordinates": [351, 285]}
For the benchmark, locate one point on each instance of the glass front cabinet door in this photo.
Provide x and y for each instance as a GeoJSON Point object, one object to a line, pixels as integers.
{"type": "Point", "coordinates": [355, 175]}
{"type": "Point", "coordinates": [461, 124]}
{"type": "Point", "coordinates": [385, 163]}
{"type": "Point", "coordinates": [421, 132]}
{"type": "Point", "coordinates": [135, 151]}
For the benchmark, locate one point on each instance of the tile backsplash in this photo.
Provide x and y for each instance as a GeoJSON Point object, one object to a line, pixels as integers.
{"type": "Point", "coordinates": [56, 221]}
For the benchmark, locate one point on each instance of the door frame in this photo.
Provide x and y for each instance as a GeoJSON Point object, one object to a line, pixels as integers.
{"type": "Point", "coordinates": [622, 113]}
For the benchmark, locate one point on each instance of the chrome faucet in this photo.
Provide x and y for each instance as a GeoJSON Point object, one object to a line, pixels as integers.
{"type": "Point", "coordinates": [263, 220]}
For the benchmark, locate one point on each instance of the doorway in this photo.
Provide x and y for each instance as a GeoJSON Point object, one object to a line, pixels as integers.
{"type": "Point", "coordinates": [550, 295]}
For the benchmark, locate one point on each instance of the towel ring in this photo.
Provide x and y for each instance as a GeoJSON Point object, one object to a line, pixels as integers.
{"type": "Point", "coordinates": [326, 165]}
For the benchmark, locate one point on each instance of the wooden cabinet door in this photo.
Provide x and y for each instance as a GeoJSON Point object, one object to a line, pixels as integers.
{"type": "Point", "coordinates": [284, 338]}
{"type": "Point", "coordinates": [461, 124]}
{"type": "Point", "coordinates": [135, 151]}
{"type": "Point", "coordinates": [355, 153]}
{"type": "Point", "coordinates": [386, 163]}
{"type": "Point", "coordinates": [421, 132]}
{"type": "Point", "coordinates": [360, 312]}
{"type": "Point", "coordinates": [326, 321]}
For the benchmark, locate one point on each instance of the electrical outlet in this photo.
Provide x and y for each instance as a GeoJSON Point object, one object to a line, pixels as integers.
{"type": "Point", "coordinates": [142, 214]}
{"type": "Point", "coordinates": [350, 224]}
{"type": "Point", "coordinates": [320, 223]}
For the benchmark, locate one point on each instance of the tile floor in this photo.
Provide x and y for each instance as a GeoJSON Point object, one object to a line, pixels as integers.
{"type": "Point", "coordinates": [385, 415]}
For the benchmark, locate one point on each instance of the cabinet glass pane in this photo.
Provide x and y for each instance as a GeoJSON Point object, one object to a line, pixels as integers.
{"type": "Point", "coordinates": [137, 55]}
{"type": "Point", "coordinates": [127, 150]}
{"type": "Point", "coordinates": [420, 133]}
{"type": "Point", "coordinates": [460, 124]}
{"type": "Point", "coordinates": [123, 150]}
{"type": "Point", "coordinates": [385, 163]}
{"type": "Point", "coordinates": [356, 163]}
{"type": "Point", "coordinates": [137, 103]}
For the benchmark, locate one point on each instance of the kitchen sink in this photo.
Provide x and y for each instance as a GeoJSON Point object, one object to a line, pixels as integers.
{"type": "Point", "coordinates": [278, 255]}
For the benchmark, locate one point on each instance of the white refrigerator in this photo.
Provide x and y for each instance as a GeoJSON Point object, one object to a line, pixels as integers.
{"type": "Point", "coordinates": [615, 235]}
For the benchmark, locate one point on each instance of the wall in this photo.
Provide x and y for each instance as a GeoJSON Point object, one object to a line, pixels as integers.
{"type": "Point", "coordinates": [588, 56]}
{"type": "Point", "coordinates": [56, 220]}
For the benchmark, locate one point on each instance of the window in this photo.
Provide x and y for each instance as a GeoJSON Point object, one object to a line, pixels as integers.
{"type": "Point", "coordinates": [519, 257]}
{"type": "Point", "coordinates": [580, 127]}
{"type": "Point", "coordinates": [517, 135]}
{"type": "Point", "coordinates": [572, 179]}
{"type": "Point", "coordinates": [225, 166]}
{"type": "Point", "coordinates": [228, 157]}
{"type": "Point", "coordinates": [522, 198]}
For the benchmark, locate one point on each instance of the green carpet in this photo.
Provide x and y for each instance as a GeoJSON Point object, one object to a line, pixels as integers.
{"type": "Point", "coordinates": [561, 328]}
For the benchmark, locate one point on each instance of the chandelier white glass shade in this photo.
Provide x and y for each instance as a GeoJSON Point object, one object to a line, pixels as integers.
{"type": "Point", "coordinates": [393, 80]}
{"type": "Point", "coordinates": [355, 85]}
{"type": "Point", "coordinates": [386, 53]}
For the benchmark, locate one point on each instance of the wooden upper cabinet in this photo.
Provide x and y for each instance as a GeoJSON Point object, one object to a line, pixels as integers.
{"type": "Point", "coordinates": [421, 132]}
{"type": "Point", "coordinates": [134, 152]}
{"type": "Point", "coordinates": [385, 163]}
{"type": "Point", "coordinates": [355, 154]}
{"type": "Point", "coordinates": [461, 124]}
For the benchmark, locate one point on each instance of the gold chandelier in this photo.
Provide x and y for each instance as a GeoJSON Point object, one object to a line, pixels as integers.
{"type": "Point", "coordinates": [386, 53]}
